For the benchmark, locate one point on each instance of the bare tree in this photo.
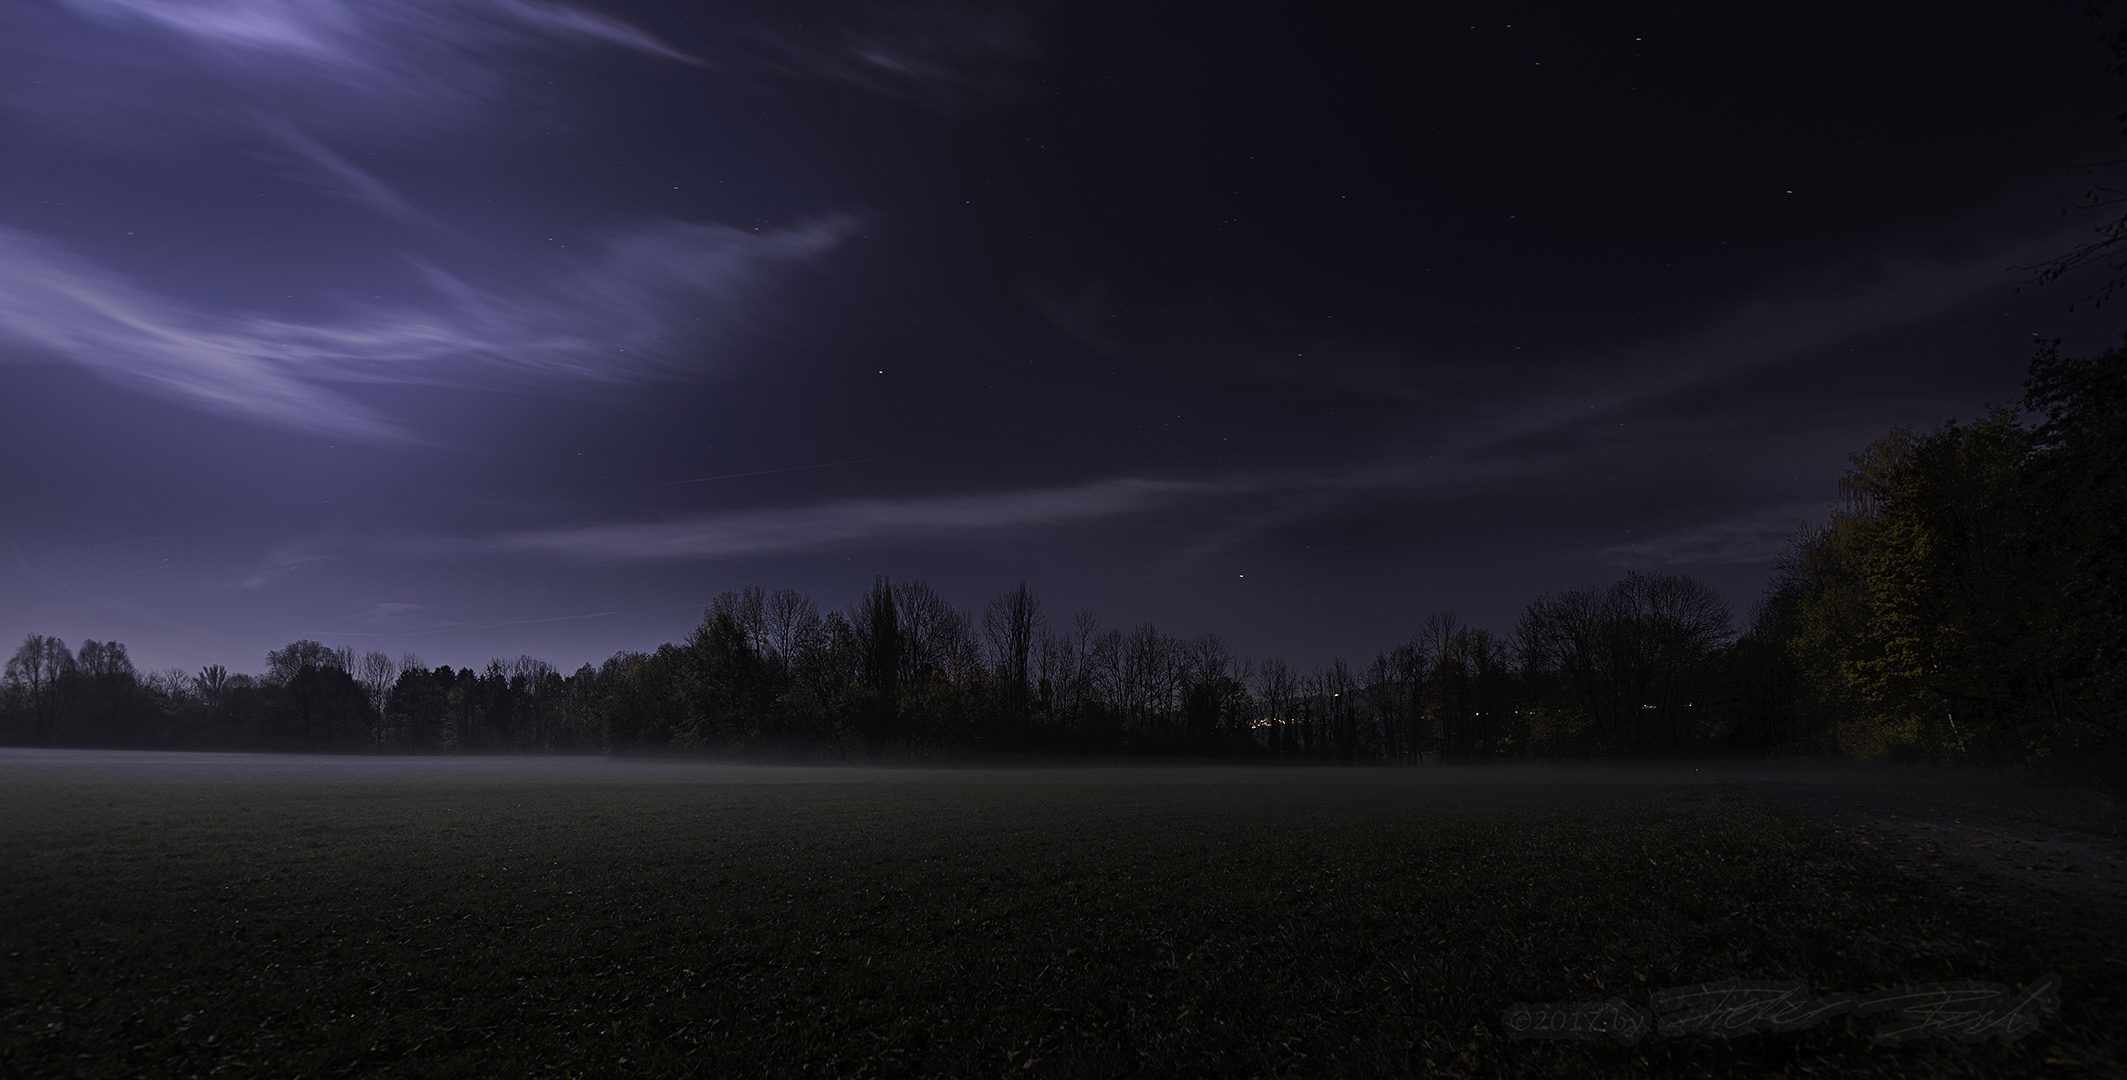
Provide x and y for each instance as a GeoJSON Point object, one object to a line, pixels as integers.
{"type": "Point", "coordinates": [1278, 688]}
{"type": "Point", "coordinates": [793, 628]}
{"type": "Point", "coordinates": [1383, 690]}
{"type": "Point", "coordinates": [1340, 706]}
{"type": "Point", "coordinates": [1307, 712]}
{"type": "Point", "coordinates": [1149, 671]}
{"type": "Point", "coordinates": [172, 683]}
{"type": "Point", "coordinates": [1686, 623]}
{"type": "Point", "coordinates": [211, 684]}
{"type": "Point", "coordinates": [936, 637]}
{"type": "Point", "coordinates": [104, 660]}
{"type": "Point", "coordinates": [1011, 624]}
{"type": "Point", "coordinates": [1628, 657]}
{"type": "Point", "coordinates": [377, 673]}
{"type": "Point", "coordinates": [1439, 639]}
{"type": "Point", "coordinates": [875, 626]}
{"type": "Point", "coordinates": [1104, 672]}
{"type": "Point", "coordinates": [747, 610]}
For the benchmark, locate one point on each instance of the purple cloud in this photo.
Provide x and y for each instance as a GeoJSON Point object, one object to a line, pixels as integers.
{"type": "Point", "coordinates": [947, 55]}
{"type": "Point", "coordinates": [1745, 539]}
{"type": "Point", "coordinates": [368, 41]}
{"type": "Point", "coordinates": [648, 309]}
{"type": "Point", "coordinates": [752, 532]}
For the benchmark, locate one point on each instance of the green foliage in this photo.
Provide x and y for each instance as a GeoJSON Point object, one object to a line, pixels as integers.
{"type": "Point", "coordinates": [2079, 477]}
{"type": "Point", "coordinates": [1963, 600]}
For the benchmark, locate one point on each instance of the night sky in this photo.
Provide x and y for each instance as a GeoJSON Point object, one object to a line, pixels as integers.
{"type": "Point", "coordinates": [486, 327]}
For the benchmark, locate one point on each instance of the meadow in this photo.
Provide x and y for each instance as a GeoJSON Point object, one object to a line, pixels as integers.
{"type": "Point", "coordinates": [2043, 799]}
{"type": "Point", "coordinates": [194, 915]}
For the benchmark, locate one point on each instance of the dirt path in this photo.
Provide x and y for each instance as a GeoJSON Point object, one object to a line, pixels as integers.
{"type": "Point", "coordinates": [2068, 887]}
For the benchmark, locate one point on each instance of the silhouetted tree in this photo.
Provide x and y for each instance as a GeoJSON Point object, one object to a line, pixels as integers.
{"type": "Point", "coordinates": [1012, 625]}
{"type": "Point", "coordinates": [377, 674]}
{"type": "Point", "coordinates": [40, 676]}
{"type": "Point", "coordinates": [312, 701]}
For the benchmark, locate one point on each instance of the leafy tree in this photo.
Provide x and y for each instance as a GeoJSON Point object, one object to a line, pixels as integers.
{"type": "Point", "coordinates": [728, 686]}
{"type": "Point", "coordinates": [1965, 598]}
{"type": "Point", "coordinates": [2077, 482]}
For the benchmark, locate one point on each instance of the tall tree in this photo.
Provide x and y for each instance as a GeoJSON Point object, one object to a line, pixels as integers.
{"type": "Point", "coordinates": [319, 703]}
{"type": "Point", "coordinates": [1921, 606]}
{"type": "Point", "coordinates": [2077, 485]}
{"type": "Point", "coordinates": [1012, 624]}
{"type": "Point", "coordinates": [377, 674]}
{"type": "Point", "coordinates": [1632, 661]}
{"type": "Point", "coordinates": [876, 623]}
{"type": "Point", "coordinates": [111, 707]}
{"type": "Point", "coordinates": [41, 674]}
{"type": "Point", "coordinates": [1278, 688]}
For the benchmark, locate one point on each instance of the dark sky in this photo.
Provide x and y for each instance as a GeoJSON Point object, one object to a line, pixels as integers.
{"type": "Point", "coordinates": [486, 327]}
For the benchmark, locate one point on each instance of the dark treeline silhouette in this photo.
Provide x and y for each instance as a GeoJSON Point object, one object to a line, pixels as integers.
{"type": "Point", "coordinates": [1963, 602]}
{"type": "Point", "coordinates": [903, 674]}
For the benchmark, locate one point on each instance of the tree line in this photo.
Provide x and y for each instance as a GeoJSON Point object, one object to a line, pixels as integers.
{"type": "Point", "coordinates": [1963, 601]}
{"type": "Point", "coordinates": [904, 674]}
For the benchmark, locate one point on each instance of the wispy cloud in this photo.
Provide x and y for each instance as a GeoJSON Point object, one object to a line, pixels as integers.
{"type": "Point", "coordinates": [755, 532]}
{"type": "Point", "coordinates": [651, 307]}
{"type": "Point", "coordinates": [1755, 537]}
{"type": "Point", "coordinates": [568, 20]}
{"type": "Point", "coordinates": [371, 42]}
{"type": "Point", "coordinates": [1540, 422]}
{"type": "Point", "coordinates": [321, 167]}
{"type": "Point", "coordinates": [1782, 321]}
{"type": "Point", "coordinates": [462, 627]}
{"type": "Point", "coordinates": [385, 612]}
{"type": "Point", "coordinates": [146, 76]}
{"type": "Point", "coordinates": [286, 560]}
{"type": "Point", "coordinates": [951, 56]}
{"type": "Point", "coordinates": [56, 306]}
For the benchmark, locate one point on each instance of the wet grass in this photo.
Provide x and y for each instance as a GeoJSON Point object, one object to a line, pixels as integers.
{"type": "Point", "coordinates": [447, 928]}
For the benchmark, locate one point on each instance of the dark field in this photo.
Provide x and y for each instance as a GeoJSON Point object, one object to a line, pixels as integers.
{"type": "Point", "coordinates": [2063, 806]}
{"type": "Point", "coordinates": [180, 915]}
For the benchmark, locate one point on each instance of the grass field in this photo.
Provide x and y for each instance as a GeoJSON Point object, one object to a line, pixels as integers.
{"type": "Point", "coordinates": [205, 915]}
{"type": "Point", "coordinates": [2046, 801]}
